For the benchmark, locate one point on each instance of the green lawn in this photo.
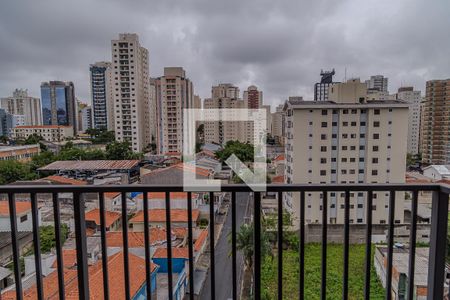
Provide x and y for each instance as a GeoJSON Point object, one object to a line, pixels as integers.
{"type": "Point", "coordinates": [313, 271]}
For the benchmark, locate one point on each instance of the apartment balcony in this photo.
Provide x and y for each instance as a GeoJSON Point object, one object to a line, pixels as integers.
{"type": "Point", "coordinates": [437, 244]}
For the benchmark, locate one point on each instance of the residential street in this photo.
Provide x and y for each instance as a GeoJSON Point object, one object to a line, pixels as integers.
{"type": "Point", "coordinates": [222, 255]}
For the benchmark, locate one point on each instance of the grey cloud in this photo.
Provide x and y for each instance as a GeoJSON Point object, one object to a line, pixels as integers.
{"type": "Point", "coordinates": [278, 45]}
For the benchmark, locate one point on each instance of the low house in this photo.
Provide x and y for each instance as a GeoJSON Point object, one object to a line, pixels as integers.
{"type": "Point", "coordinates": [115, 281]}
{"type": "Point", "coordinates": [437, 172]}
{"type": "Point", "coordinates": [25, 242]}
{"type": "Point", "coordinates": [157, 218]}
{"type": "Point", "coordinates": [178, 200]}
{"type": "Point", "coordinates": [180, 260]}
{"type": "Point", "coordinates": [23, 216]}
{"type": "Point", "coordinates": [22, 153]}
{"type": "Point", "coordinates": [279, 163]}
{"type": "Point", "coordinates": [400, 267]}
{"type": "Point", "coordinates": [112, 220]}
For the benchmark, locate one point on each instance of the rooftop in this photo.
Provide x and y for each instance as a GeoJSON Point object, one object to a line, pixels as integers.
{"type": "Point", "coordinates": [110, 217]}
{"type": "Point", "coordinates": [42, 126]}
{"type": "Point", "coordinates": [21, 207]}
{"type": "Point", "coordinates": [63, 180]}
{"type": "Point", "coordinates": [86, 165]}
{"type": "Point", "coordinates": [159, 215]}
{"type": "Point", "coordinates": [176, 253]}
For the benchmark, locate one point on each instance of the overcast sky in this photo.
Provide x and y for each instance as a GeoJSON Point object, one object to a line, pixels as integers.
{"type": "Point", "coordinates": [280, 46]}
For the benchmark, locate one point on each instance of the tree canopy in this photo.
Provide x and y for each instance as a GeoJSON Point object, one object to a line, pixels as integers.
{"type": "Point", "coordinates": [244, 151]}
{"type": "Point", "coordinates": [12, 170]}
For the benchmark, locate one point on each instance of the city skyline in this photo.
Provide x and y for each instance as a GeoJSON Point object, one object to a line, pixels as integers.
{"type": "Point", "coordinates": [269, 51]}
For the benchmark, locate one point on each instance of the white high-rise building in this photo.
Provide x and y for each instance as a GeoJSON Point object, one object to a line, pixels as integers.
{"type": "Point", "coordinates": [86, 118]}
{"type": "Point", "coordinates": [414, 98]}
{"type": "Point", "coordinates": [377, 83]}
{"type": "Point", "coordinates": [345, 142]}
{"type": "Point", "coordinates": [224, 96]}
{"type": "Point", "coordinates": [22, 104]}
{"type": "Point", "coordinates": [130, 66]}
{"type": "Point", "coordinates": [174, 92]}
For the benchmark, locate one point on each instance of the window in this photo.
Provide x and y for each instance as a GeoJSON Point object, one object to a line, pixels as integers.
{"type": "Point", "coordinates": [344, 159]}
{"type": "Point", "coordinates": [324, 112]}
{"type": "Point", "coordinates": [353, 124]}
{"type": "Point", "coordinates": [353, 135]}
{"type": "Point", "coordinates": [376, 112]}
{"type": "Point", "coordinates": [376, 124]}
{"type": "Point", "coordinates": [375, 148]}
{"type": "Point", "coordinates": [362, 124]}
{"type": "Point", "coordinates": [354, 111]}
{"type": "Point", "coordinates": [362, 136]}
{"type": "Point", "coordinates": [334, 136]}
{"type": "Point", "coordinates": [345, 111]}
{"type": "Point", "coordinates": [333, 171]}
{"type": "Point", "coordinates": [375, 160]}
{"type": "Point", "coordinates": [324, 124]}
{"type": "Point", "coordinates": [323, 148]}
{"type": "Point", "coordinates": [323, 136]}
{"type": "Point", "coordinates": [344, 135]}
{"type": "Point", "coordinates": [362, 147]}
{"type": "Point", "coordinates": [333, 147]}
{"type": "Point", "coordinates": [352, 159]}
{"type": "Point", "coordinates": [23, 218]}
{"type": "Point", "coordinates": [323, 172]}
{"type": "Point", "coordinates": [352, 171]}
{"type": "Point", "coordinates": [335, 111]}
{"type": "Point", "coordinates": [359, 220]}
{"type": "Point", "coordinates": [360, 205]}
{"type": "Point", "coordinates": [310, 123]}
{"type": "Point", "coordinates": [333, 159]}
{"type": "Point", "coordinates": [376, 136]}
{"type": "Point", "coordinates": [323, 160]}
{"type": "Point", "coordinates": [344, 123]}
{"type": "Point", "coordinates": [344, 147]}
{"type": "Point", "coordinates": [343, 172]}
{"type": "Point", "coordinates": [353, 148]}
{"type": "Point", "coordinates": [361, 171]}
{"type": "Point", "coordinates": [374, 172]}
{"type": "Point", "coordinates": [334, 124]}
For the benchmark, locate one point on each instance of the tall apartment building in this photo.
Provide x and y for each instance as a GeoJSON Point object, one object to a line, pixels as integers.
{"type": "Point", "coordinates": [321, 88]}
{"type": "Point", "coordinates": [253, 98]}
{"type": "Point", "coordinates": [6, 122]}
{"type": "Point", "coordinates": [277, 124]}
{"type": "Point", "coordinates": [86, 118]}
{"type": "Point", "coordinates": [413, 98]}
{"type": "Point", "coordinates": [174, 92]}
{"type": "Point", "coordinates": [102, 95]}
{"type": "Point", "coordinates": [59, 104]}
{"type": "Point", "coordinates": [435, 128]}
{"type": "Point", "coordinates": [152, 111]}
{"type": "Point", "coordinates": [197, 102]}
{"type": "Point", "coordinates": [224, 96]}
{"type": "Point", "coordinates": [130, 67]}
{"type": "Point", "coordinates": [377, 83]}
{"type": "Point", "coordinates": [345, 141]}
{"type": "Point", "coordinates": [22, 104]}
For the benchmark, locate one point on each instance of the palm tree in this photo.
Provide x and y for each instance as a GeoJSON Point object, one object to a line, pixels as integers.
{"type": "Point", "coordinates": [244, 243]}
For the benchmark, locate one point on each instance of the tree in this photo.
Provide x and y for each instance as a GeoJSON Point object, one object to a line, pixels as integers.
{"type": "Point", "coordinates": [42, 159]}
{"type": "Point", "coordinates": [4, 139]}
{"type": "Point", "coordinates": [47, 237]}
{"type": "Point", "coordinates": [120, 151]}
{"type": "Point", "coordinates": [243, 151]}
{"type": "Point", "coordinates": [244, 243]}
{"type": "Point", "coordinates": [12, 170]}
{"type": "Point", "coordinates": [33, 139]}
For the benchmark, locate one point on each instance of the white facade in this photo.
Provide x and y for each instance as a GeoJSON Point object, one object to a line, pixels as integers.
{"type": "Point", "coordinates": [345, 143]}
{"type": "Point", "coordinates": [414, 99]}
{"type": "Point", "coordinates": [174, 92]}
{"type": "Point", "coordinates": [437, 172]}
{"type": "Point", "coordinates": [86, 118]}
{"type": "Point", "coordinates": [22, 104]}
{"type": "Point", "coordinates": [130, 65]}
{"type": "Point", "coordinates": [18, 120]}
{"type": "Point", "coordinates": [377, 83]}
{"type": "Point", "coordinates": [50, 133]}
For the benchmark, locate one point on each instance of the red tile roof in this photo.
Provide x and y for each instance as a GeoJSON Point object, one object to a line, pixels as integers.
{"type": "Point", "coordinates": [64, 180]}
{"type": "Point", "coordinates": [69, 259]}
{"type": "Point", "coordinates": [280, 157]}
{"type": "Point", "coordinates": [115, 279]}
{"type": "Point", "coordinates": [159, 215]}
{"type": "Point", "coordinates": [201, 239]}
{"type": "Point", "coordinates": [111, 195]}
{"type": "Point", "coordinates": [176, 253]}
{"type": "Point", "coordinates": [21, 207]}
{"type": "Point", "coordinates": [136, 239]}
{"type": "Point", "coordinates": [278, 179]}
{"type": "Point", "coordinates": [110, 217]}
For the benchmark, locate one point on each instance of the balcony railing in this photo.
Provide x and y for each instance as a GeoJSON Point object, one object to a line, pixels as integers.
{"type": "Point", "coordinates": [437, 255]}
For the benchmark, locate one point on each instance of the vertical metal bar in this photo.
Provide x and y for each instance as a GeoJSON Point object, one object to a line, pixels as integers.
{"type": "Point", "coordinates": [438, 238]}
{"type": "Point", "coordinates": [190, 246]}
{"type": "Point", "coordinates": [368, 245]}
{"type": "Point", "coordinates": [233, 243]}
{"type": "Point", "coordinates": [15, 245]}
{"type": "Point", "coordinates": [346, 244]}
{"type": "Point", "coordinates": [257, 250]}
{"type": "Point", "coordinates": [59, 255]}
{"type": "Point", "coordinates": [126, 268]}
{"type": "Point", "coordinates": [101, 201]}
{"type": "Point", "coordinates": [323, 288]}
{"type": "Point", "coordinates": [412, 245]}
{"type": "Point", "coordinates": [280, 246]}
{"type": "Point", "coordinates": [302, 246]}
{"type": "Point", "coordinates": [212, 266]}
{"type": "Point", "coordinates": [169, 247]}
{"type": "Point", "coordinates": [390, 245]}
{"type": "Point", "coordinates": [80, 230]}
{"type": "Point", "coordinates": [36, 245]}
{"type": "Point", "coordinates": [147, 248]}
